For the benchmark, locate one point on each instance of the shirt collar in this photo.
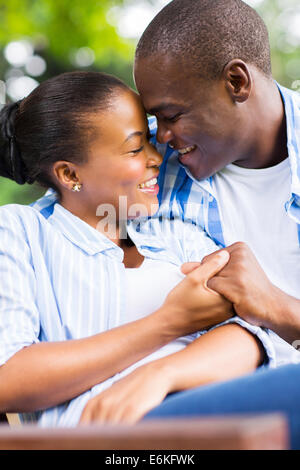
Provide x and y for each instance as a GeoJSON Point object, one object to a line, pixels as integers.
{"type": "Point", "coordinates": [143, 232]}
{"type": "Point", "coordinates": [291, 101]}
{"type": "Point", "coordinates": [91, 241]}
{"type": "Point", "coordinates": [154, 238]}
{"type": "Point", "coordinates": [81, 234]}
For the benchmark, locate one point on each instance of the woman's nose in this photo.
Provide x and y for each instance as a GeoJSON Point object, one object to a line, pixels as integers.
{"type": "Point", "coordinates": [164, 135]}
{"type": "Point", "coordinates": [153, 157]}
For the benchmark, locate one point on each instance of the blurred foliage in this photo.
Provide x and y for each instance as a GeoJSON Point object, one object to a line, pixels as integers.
{"type": "Point", "coordinates": [58, 28]}
{"type": "Point", "coordinates": [282, 18]}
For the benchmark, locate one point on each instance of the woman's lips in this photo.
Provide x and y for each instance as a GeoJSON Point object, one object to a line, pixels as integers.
{"type": "Point", "coordinates": [153, 190]}
{"type": "Point", "coordinates": [149, 187]}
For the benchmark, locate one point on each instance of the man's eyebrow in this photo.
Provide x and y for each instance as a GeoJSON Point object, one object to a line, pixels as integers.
{"type": "Point", "coordinates": [161, 107]}
{"type": "Point", "coordinates": [134, 134]}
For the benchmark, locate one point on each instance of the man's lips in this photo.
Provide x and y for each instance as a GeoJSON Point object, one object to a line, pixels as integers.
{"type": "Point", "coordinates": [183, 150]}
{"type": "Point", "coordinates": [185, 157]}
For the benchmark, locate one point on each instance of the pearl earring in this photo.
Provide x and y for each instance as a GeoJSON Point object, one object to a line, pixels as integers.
{"type": "Point", "coordinates": [76, 187]}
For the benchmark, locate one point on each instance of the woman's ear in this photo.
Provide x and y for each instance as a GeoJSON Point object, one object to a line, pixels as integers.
{"type": "Point", "coordinates": [65, 174]}
{"type": "Point", "coordinates": [238, 80]}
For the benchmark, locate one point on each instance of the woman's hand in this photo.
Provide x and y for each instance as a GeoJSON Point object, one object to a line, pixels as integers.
{"type": "Point", "coordinates": [192, 304]}
{"type": "Point", "coordinates": [129, 399]}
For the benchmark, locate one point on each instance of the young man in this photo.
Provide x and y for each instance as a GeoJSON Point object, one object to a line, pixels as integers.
{"type": "Point", "coordinates": [232, 164]}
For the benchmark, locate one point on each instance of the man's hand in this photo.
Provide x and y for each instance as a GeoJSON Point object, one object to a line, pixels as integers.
{"type": "Point", "coordinates": [243, 282]}
{"type": "Point", "coordinates": [129, 399]}
{"type": "Point", "coordinates": [255, 299]}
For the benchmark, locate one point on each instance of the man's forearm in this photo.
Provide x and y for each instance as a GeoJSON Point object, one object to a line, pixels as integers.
{"type": "Point", "coordinates": [224, 353]}
{"type": "Point", "coordinates": [284, 317]}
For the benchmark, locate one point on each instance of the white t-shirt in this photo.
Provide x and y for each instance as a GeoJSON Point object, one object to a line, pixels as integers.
{"type": "Point", "coordinates": [147, 289]}
{"type": "Point", "coordinates": [252, 210]}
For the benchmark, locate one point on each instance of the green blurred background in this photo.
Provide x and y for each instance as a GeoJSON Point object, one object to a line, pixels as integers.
{"type": "Point", "coordinates": [42, 38]}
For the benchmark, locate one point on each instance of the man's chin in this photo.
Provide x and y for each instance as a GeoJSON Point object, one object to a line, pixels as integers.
{"type": "Point", "coordinates": [194, 162]}
{"type": "Point", "coordinates": [199, 173]}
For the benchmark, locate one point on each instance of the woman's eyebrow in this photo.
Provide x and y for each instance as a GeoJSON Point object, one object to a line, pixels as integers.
{"type": "Point", "coordinates": [134, 134]}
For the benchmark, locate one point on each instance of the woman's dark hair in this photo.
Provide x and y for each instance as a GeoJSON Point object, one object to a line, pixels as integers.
{"type": "Point", "coordinates": [53, 123]}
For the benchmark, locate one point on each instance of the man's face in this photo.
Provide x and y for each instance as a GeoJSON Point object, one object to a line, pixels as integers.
{"type": "Point", "coordinates": [197, 118]}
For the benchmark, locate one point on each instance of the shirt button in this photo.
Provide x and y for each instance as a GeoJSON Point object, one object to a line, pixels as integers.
{"type": "Point", "coordinates": [210, 198]}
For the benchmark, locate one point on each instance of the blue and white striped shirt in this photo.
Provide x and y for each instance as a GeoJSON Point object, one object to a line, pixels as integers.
{"type": "Point", "coordinates": [61, 279]}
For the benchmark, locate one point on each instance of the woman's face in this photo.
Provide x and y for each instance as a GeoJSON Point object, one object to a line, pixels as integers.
{"type": "Point", "coordinates": [122, 166]}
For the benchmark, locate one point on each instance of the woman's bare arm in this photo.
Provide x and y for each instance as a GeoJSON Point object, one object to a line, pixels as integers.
{"type": "Point", "coordinates": [221, 354]}
{"type": "Point", "coordinates": [46, 374]}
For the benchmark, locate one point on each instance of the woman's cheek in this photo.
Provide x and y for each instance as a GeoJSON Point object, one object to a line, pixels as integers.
{"type": "Point", "coordinates": [134, 171]}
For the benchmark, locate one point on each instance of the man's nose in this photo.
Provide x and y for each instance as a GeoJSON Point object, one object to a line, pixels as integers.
{"type": "Point", "coordinates": [164, 135]}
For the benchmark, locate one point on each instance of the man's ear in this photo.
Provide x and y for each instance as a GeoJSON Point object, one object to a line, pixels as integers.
{"type": "Point", "coordinates": [238, 80]}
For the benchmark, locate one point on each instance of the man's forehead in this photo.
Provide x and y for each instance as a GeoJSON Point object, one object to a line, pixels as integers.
{"type": "Point", "coordinates": [164, 83]}
{"type": "Point", "coordinates": [164, 71]}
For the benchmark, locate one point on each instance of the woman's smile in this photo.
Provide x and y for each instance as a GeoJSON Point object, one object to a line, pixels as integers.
{"type": "Point", "coordinates": [149, 186]}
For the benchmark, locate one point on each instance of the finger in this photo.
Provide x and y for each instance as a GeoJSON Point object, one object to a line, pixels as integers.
{"type": "Point", "coordinates": [224, 287]}
{"type": "Point", "coordinates": [187, 268]}
{"type": "Point", "coordinates": [211, 255]}
{"type": "Point", "coordinates": [114, 414]}
{"type": "Point", "coordinates": [211, 267]}
{"type": "Point", "coordinates": [86, 416]}
{"type": "Point", "coordinates": [131, 415]}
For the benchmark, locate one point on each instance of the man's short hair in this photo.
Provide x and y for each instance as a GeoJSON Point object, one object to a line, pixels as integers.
{"type": "Point", "coordinates": [205, 35]}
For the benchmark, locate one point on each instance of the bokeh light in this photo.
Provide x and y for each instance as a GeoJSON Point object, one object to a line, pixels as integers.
{"type": "Point", "coordinates": [19, 87]}
{"type": "Point", "coordinates": [133, 17]}
{"type": "Point", "coordinates": [18, 52]}
{"type": "Point", "coordinates": [83, 57]}
{"type": "Point", "coordinates": [2, 93]}
{"type": "Point", "coordinates": [35, 66]}
{"type": "Point", "coordinates": [24, 65]}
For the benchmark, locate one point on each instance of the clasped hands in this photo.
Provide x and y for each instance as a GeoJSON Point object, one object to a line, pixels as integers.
{"type": "Point", "coordinates": [227, 282]}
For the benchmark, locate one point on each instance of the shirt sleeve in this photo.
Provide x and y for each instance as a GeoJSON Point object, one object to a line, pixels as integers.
{"type": "Point", "coordinates": [19, 316]}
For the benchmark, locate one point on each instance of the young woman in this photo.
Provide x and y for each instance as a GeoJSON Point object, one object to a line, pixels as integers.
{"type": "Point", "coordinates": [96, 320]}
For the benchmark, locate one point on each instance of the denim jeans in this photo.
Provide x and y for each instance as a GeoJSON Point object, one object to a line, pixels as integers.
{"type": "Point", "coordinates": [264, 391]}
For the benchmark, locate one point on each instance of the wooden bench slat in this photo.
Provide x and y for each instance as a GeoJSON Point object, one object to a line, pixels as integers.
{"type": "Point", "coordinates": [264, 432]}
